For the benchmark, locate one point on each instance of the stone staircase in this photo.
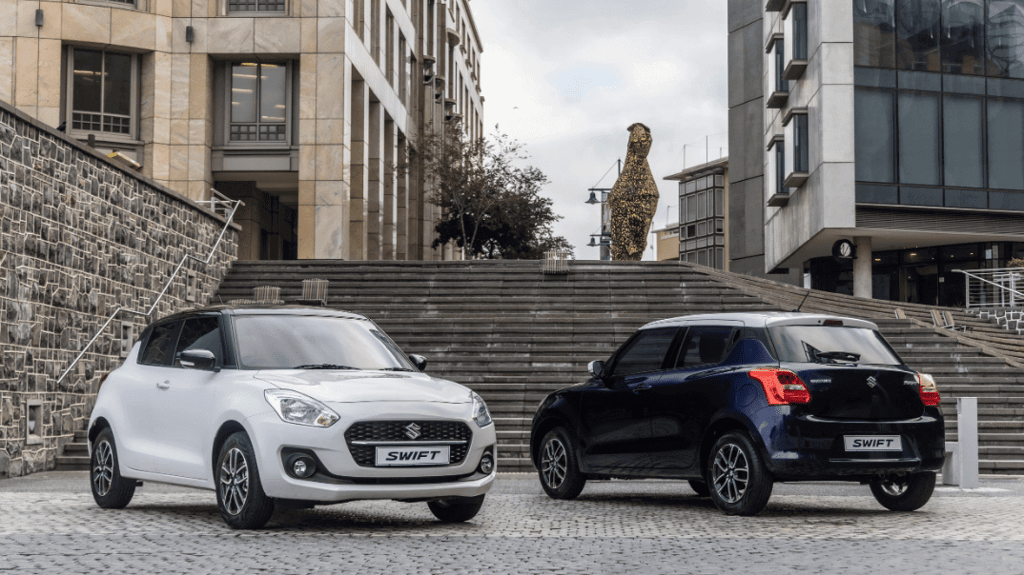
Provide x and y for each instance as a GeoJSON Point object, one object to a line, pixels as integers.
{"type": "Point", "coordinates": [75, 456]}
{"type": "Point", "coordinates": [514, 334]}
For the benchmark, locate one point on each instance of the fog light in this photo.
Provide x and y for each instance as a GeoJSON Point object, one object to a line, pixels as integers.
{"type": "Point", "coordinates": [302, 466]}
{"type": "Point", "coordinates": [487, 464]}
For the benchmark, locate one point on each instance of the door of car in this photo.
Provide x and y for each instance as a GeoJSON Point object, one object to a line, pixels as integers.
{"type": "Point", "coordinates": [614, 421]}
{"type": "Point", "coordinates": [182, 416]}
{"type": "Point", "coordinates": [683, 400]}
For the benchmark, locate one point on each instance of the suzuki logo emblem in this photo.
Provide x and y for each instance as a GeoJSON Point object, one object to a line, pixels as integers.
{"type": "Point", "coordinates": [412, 431]}
{"type": "Point", "coordinates": [872, 382]}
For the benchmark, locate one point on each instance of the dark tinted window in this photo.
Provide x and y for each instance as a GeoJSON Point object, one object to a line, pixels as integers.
{"type": "Point", "coordinates": [158, 348]}
{"type": "Point", "coordinates": [200, 333]}
{"type": "Point", "coordinates": [646, 352]}
{"type": "Point", "coordinates": [822, 344]}
{"type": "Point", "coordinates": [704, 346]}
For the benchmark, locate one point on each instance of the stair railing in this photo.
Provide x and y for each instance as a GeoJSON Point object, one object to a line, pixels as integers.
{"type": "Point", "coordinates": [993, 288]}
{"type": "Point", "coordinates": [218, 204]}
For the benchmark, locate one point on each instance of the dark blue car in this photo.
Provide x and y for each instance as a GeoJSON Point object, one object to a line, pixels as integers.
{"type": "Point", "coordinates": [736, 402]}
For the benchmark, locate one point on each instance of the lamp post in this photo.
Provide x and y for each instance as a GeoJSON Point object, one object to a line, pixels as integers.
{"type": "Point", "coordinates": [600, 196]}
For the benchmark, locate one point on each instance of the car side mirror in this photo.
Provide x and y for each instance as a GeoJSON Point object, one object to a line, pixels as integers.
{"type": "Point", "coordinates": [419, 361]}
{"type": "Point", "coordinates": [596, 368]}
{"type": "Point", "coordinates": [198, 359]}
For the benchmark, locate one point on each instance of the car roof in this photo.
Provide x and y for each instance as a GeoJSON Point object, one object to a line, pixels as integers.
{"type": "Point", "coordinates": [759, 319]}
{"type": "Point", "coordinates": [265, 309]}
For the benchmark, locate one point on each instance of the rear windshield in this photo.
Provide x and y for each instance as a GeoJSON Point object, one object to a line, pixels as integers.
{"type": "Point", "coordinates": [833, 345]}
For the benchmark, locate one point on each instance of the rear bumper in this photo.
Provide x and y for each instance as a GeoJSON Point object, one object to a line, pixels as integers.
{"type": "Point", "coordinates": [804, 447]}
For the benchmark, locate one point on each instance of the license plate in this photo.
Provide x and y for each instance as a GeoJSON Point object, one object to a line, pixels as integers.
{"type": "Point", "coordinates": [873, 442]}
{"type": "Point", "coordinates": [413, 455]}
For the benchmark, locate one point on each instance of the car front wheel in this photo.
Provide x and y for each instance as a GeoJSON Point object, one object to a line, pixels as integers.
{"type": "Point", "coordinates": [559, 471]}
{"type": "Point", "coordinates": [240, 497]}
{"type": "Point", "coordinates": [456, 509]}
{"type": "Point", "coordinates": [109, 489]}
{"type": "Point", "coordinates": [908, 493]}
{"type": "Point", "coordinates": [737, 478]}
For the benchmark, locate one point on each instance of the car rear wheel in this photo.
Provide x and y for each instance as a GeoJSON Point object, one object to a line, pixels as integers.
{"type": "Point", "coordinates": [907, 493]}
{"type": "Point", "coordinates": [109, 489]}
{"type": "Point", "coordinates": [240, 497]}
{"type": "Point", "coordinates": [559, 471]}
{"type": "Point", "coordinates": [737, 478]}
{"type": "Point", "coordinates": [700, 487]}
{"type": "Point", "coordinates": [456, 509]}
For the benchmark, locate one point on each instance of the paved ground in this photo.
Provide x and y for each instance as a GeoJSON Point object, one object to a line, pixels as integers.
{"type": "Point", "coordinates": [49, 523]}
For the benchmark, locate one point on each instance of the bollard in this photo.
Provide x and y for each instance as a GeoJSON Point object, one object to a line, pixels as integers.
{"type": "Point", "coordinates": [967, 441]}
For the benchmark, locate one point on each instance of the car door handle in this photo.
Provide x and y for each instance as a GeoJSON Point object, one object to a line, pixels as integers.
{"type": "Point", "coordinates": [163, 384]}
{"type": "Point", "coordinates": [640, 387]}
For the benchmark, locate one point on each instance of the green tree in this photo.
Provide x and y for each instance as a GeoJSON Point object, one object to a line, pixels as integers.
{"type": "Point", "coordinates": [491, 206]}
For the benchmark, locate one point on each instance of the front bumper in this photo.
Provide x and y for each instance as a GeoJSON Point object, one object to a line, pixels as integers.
{"type": "Point", "coordinates": [804, 447]}
{"type": "Point", "coordinates": [344, 480]}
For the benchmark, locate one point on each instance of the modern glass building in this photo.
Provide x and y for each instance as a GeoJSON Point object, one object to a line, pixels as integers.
{"type": "Point", "coordinates": [898, 124]}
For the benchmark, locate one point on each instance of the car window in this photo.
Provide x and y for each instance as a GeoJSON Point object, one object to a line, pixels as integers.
{"type": "Point", "coordinates": [832, 344]}
{"type": "Point", "coordinates": [646, 352]}
{"type": "Point", "coordinates": [200, 333]}
{"type": "Point", "coordinates": [704, 346]}
{"type": "Point", "coordinates": [159, 345]}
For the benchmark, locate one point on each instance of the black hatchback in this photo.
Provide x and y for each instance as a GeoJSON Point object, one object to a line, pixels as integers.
{"type": "Point", "coordinates": [736, 402]}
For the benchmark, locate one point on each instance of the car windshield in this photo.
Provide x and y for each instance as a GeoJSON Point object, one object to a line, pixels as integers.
{"type": "Point", "coordinates": [832, 345]}
{"type": "Point", "coordinates": [315, 342]}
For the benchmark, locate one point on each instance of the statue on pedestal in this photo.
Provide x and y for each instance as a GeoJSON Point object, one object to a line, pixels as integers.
{"type": "Point", "coordinates": [633, 199]}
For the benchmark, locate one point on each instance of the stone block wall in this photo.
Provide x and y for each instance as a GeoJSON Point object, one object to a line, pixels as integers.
{"type": "Point", "coordinates": [80, 237]}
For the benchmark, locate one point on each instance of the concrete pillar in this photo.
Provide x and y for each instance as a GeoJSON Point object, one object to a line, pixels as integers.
{"type": "Point", "coordinates": [248, 217]}
{"type": "Point", "coordinates": [360, 181]}
{"type": "Point", "coordinates": [402, 213]}
{"type": "Point", "coordinates": [862, 267]}
{"type": "Point", "coordinates": [414, 232]}
{"type": "Point", "coordinates": [375, 181]}
{"type": "Point", "coordinates": [388, 232]}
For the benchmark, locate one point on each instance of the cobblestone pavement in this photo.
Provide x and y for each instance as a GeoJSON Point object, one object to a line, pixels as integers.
{"type": "Point", "coordinates": [615, 527]}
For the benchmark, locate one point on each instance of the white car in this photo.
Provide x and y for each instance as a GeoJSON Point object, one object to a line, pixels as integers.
{"type": "Point", "coordinates": [287, 405]}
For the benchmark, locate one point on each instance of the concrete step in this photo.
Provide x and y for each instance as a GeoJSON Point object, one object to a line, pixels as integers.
{"type": "Point", "coordinates": [72, 462]}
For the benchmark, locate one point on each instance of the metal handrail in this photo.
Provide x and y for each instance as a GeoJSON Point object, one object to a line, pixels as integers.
{"type": "Point", "coordinates": [218, 201]}
{"type": "Point", "coordinates": [1000, 288]}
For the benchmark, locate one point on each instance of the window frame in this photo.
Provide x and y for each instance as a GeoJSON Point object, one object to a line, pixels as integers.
{"type": "Point", "coordinates": [284, 12]}
{"type": "Point", "coordinates": [795, 35]}
{"type": "Point", "coordinates": [134, 116]}
{"type": "Point", "coordinates": [797, 129]}
{"type": "Point", "coordinates": [289, 108]}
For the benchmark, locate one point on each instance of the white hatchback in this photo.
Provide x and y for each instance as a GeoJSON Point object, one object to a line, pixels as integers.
{"type": "Point", "coordinates": [288, 406]}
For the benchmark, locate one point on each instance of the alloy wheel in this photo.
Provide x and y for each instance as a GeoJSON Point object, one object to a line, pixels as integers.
{"type": "Point", "coordinates": [234, 481]}
{"type": "Point", "coordinates": [103, 468]}
{"type": "Point", "coordinates": [730, 473]}
{"type": "Point", "coordinates": [554, 463]}
{"type": "Point", "coordinates": [894, 488]}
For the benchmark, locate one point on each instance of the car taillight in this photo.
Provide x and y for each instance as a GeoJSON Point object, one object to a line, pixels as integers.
{"type": "Point", "coordinates": [929, 391]}
{"type": "Point", "coordinates": [782, 387]}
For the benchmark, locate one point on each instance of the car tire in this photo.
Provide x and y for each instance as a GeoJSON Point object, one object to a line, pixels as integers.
{"type": "Point", "coordinates": [240, 497]}
{"type": "Point", "coordinates": [558, 467]}
{"type": "Point", "coordinates": [909, 493]}
{"type": "Point", "coordinates": [700, 487]}
{"type": "Point", "coordinates": [109, 489]}
{"type": "Point", "coordinates": [738, 481]}
{"type": "Point", "coordinates": [456, 509]}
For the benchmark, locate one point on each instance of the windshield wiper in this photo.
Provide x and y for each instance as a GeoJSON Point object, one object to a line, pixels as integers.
{"type": "Point", "coordinates": [323, 366]}
{"type": "Point", "coordinates": [396, 369]}
{"type": "Point", "coordinates": [845, 355]}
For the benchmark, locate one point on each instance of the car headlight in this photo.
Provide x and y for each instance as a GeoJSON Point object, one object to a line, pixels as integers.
{"type": "Point", "coordinates": [481, 416]}
{"type": "Point", "coordinates": [294, 407]}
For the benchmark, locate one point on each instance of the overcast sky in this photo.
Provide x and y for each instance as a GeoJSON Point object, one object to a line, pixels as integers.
{"type": "Point", "coordinates": [567, 77]}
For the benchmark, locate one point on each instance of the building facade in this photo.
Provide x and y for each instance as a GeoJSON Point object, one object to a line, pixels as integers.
{"type": "Point", "coordinates": [308, 110]}
{"type": "Point", "coordinates": [896, 124]}
{"type": "Point", "coordinates": [703, 214]}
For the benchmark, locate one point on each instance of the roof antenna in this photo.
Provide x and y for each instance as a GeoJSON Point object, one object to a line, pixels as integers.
{"type": "Point", "coordinates": [807, 295]}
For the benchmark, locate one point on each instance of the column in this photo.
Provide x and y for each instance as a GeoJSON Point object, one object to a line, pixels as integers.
{"type": "Point", "coordinates": [390, 186]}
{"type": "Point", "coordinates": [358, 184]}
{"type": "Point", "coordinates": [862, 268]}
{"type": "Point", "coordinates": [375, 182]}
{"type": "Point", "coordinates": [402, 224]}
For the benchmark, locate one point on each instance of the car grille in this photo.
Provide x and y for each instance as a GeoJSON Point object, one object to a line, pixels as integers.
{"type": "Point", "coordinates": [395, 431]}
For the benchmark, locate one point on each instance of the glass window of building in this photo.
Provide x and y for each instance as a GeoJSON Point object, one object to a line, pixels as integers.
{"type": "Point", "coordinates": [797, 155]}
{"type": "Point", "coordinates": [1006, 144]}
{"type": "Point", "coordinates": [963, 125]}
{"type": "Point", "coordinates": [795, 39]}
{"type": "Point", "coordinates": [256, 5]}
{"type": "Point", "coordinates": [259, 103]}
{"type": "Point", "coordinates": [919, 138]}
{"type": "Point", "coordinates": [778, 84]}
{"type": "Point", "coordinates": [963, 36]}
{"type": "Point", "coordinates": [875, 135]}
{"type": "Point", "coordinates": [874, 29]}
{"type": "Point", "coordinates": [102, 93]}
{"type": "Point", "coordinates": [917, 35]}
{"type": "Point", "coordinates": [703, 200]}
{"type": "Point", "coordinates": [1005, 32]}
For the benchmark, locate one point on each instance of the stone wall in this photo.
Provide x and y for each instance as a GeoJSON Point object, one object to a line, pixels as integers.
{"type": "Point", "coordinates": [80, 236]}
